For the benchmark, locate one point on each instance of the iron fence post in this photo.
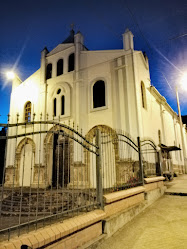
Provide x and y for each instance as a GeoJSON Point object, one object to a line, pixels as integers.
{"type": "Point", "coordinates": [159, 164]}
{"type": "Point", "coordinates": [99, 169]}
{"type": "Point", "coordinates": [140, 160]}
{"type": "Point", "coordinates": [4, 164]}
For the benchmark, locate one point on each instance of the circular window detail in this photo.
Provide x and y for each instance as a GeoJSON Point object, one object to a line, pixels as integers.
{"type": "Point", "coordinates": [59, 91]}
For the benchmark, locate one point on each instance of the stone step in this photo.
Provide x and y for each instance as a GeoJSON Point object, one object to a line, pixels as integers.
{"type": "Point", "coordinates": [60, 204]}
{"type": "Point", "coordinates": [54, 202]}
{"type": "Point", "coordinates": [17, 213]}
{"type": "Point", "coordinates": [34, 201]}
{"type": "Point", "coordinates": [25, 210]}
{"type": "Point", "coordinates": [18, 197]}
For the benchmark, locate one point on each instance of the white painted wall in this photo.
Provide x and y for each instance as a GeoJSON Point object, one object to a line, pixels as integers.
{"type": "Point", "coordinates": [121, 70]}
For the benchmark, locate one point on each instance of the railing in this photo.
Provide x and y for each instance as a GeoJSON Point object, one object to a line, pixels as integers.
{"type": "Point", "coordinates": [47, 175]}
{"type": "Point", "coordinates": [51, 171]}
{"type": "Point", "coordinates": [150, 158]}
{"type": "Point", "coordinates": [121, 167]}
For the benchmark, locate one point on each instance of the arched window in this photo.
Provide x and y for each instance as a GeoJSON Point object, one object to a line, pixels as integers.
{"type": "Point", "coordinates": [49, 71]}
{"type": "Point", "coordinates": [159, 136]}
{"type": "Point", "coordinates": [54, 107]}
{"type": "Point", "coordinates": [61, 101]}
{"type": "Point", "coordinates": [71, 62]}
{"type": "Point", "coordinates": [28, 112]}
{"type": "Point", "coordinates": [99, 94]}
{"type": "Point", "coordinates": [62, 105]}
{"type": "Point", "coordinates": [180, 152]}
{"type": "Point", "coordinates": [143, 95]}
{"type": "Point", "coordinates": [60, 67]}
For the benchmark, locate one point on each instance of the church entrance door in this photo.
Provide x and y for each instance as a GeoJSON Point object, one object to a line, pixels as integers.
{"type": "Point", "coordinates": [61, 161]}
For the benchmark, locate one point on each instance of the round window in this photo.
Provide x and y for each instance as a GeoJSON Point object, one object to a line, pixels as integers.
{"type": "Point", "coordinates": [59, 91]}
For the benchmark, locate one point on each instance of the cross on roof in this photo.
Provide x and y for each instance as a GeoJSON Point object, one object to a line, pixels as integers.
{"type": "Point", "coordinates": [72, 26]}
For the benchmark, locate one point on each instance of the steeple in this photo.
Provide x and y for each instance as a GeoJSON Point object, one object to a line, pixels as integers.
{"type": "Point", "coordinates": [70, 38]}
{"type": "Point", "coordinates": [128, 40]}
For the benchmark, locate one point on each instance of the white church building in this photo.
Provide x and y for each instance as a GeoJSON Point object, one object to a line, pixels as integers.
{"type": "Point", "coordinates": [108, 89]}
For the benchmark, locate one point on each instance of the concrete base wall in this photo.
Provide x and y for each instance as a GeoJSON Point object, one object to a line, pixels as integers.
{"type": "Point", "coordinates": [120, 208]}
{"type": "Point", "coordinates": [78, 239]}
{"type": "Point", "coordinates": [69, 234]}
{"type": "Point", "coordinates": [115, 222]}
{"type": "Point", "coordinates": [132, 206]}
{"type": "Point", "coordinates": [153, 195]}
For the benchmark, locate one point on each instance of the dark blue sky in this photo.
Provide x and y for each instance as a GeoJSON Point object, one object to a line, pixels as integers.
{"type": "Point", "coordinates": [159, 28]}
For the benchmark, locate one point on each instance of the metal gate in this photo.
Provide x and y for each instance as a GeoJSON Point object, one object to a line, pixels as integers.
{"type": "Point", "coordinates": [150, 158]}
{"type": "Point", "coordinates": [46, 175]}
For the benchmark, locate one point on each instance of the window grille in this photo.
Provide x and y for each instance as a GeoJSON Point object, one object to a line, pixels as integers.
{"type": "Point", "coordinates": [28, 112]}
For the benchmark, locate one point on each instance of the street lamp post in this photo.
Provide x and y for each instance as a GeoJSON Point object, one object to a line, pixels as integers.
{"type": "Point", "coordinates": [181, 125]}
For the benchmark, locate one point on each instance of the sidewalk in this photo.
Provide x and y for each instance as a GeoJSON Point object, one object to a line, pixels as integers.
{"type": "Point", "coordinates": [163, 225]}
{"type": "Point", "coordinates": [177, 186]}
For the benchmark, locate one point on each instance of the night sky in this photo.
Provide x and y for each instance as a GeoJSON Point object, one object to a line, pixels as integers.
{"type": "Point", "coordinates": [159, 28]}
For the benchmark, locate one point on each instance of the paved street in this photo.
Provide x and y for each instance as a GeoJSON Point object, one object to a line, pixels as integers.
{"type": "Point", "coordinates": [161, 226]}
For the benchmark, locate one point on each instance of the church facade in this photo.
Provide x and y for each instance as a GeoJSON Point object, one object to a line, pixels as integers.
{"type": "Point", "coordinates": [109, 89]}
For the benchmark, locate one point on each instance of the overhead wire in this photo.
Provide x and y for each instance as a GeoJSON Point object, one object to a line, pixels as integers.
{"type": "Point", "coordinates": [151, 47]}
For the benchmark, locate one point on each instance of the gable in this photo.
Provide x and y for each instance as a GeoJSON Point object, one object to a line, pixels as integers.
{"type": "Point", "coordinates": [60, 48]}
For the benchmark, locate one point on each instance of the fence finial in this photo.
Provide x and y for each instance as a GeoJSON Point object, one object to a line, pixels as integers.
{"type": "Point", "coordinates": [34, 115]}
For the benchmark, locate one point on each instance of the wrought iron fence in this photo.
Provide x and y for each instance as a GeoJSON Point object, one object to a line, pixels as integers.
{"type": "Point", "coordinates": [150, 158]}
{"type": "Point", "coordinates": [121, 167]}
{"type": "Point", "coordinates": [46, 175]}
{"type": "Point", "coordinates": [52, 171]}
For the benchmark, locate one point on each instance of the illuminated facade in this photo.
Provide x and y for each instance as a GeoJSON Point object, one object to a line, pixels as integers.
{"type": "Point", "coordinates": [90, 88]}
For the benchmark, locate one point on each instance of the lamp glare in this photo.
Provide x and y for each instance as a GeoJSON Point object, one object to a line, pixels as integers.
{"type": "Point", "coordinates": [10, 75]}
{"type": "Point", "coordinates": [184, 81]}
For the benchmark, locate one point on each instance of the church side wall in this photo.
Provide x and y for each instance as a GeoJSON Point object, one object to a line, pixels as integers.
{"type": "Point", "coordinates": [157, 116]}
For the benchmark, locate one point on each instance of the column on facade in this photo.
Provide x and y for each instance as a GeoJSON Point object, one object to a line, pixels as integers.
{"type": "Point", "coordinates": [137, 97]}
{"type": "Point", "coordinates": [131, 106]}
{"type": "Point", "coordinates": [43, 84]}
{"type": "Point", "coordinates": [163, 135]}
{"type": "Point", "coordinates": [78, 47]}
{"type": "Point", "coordinates": [115, 95]}
{"type": "Point", "coordinates": [121, 93]}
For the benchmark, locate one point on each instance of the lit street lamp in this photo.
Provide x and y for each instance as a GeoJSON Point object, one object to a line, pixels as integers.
{"type": "Point", "coordinates": [10, 75]}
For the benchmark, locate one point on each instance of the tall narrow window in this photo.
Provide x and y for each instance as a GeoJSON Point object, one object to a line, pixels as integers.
{"type": "Point", "coordinates": [62, 105]}
{"type": "Point", "coordinates": [143, 95]}
{"type": "Point", "coordinates": [99, 94]}
{"type": "Point", "coordinates": [180, 152]}
{"type": "Point", "coordinates": [159, 136]}
{"type": "Point", "coordinates": [49, 71]}
{"type": "Point", "coordinates": [28, 112]}
{"type": "Point", "coordinates": [60, 67]}
{"type": "Point", "coordinates": [54, 107]}
{"type": "Point", "coordinates": [71, 63]}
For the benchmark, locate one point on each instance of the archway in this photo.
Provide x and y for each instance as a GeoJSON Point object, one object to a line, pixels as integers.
{"type": "Point", "coordinates": [58, 151]}
{"type": "Point", "coordinates": [61, 156]}
{"type": "Point", "coordinates": [110, 156]}
{"type": "Point", "coordinates": [25, 159]}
